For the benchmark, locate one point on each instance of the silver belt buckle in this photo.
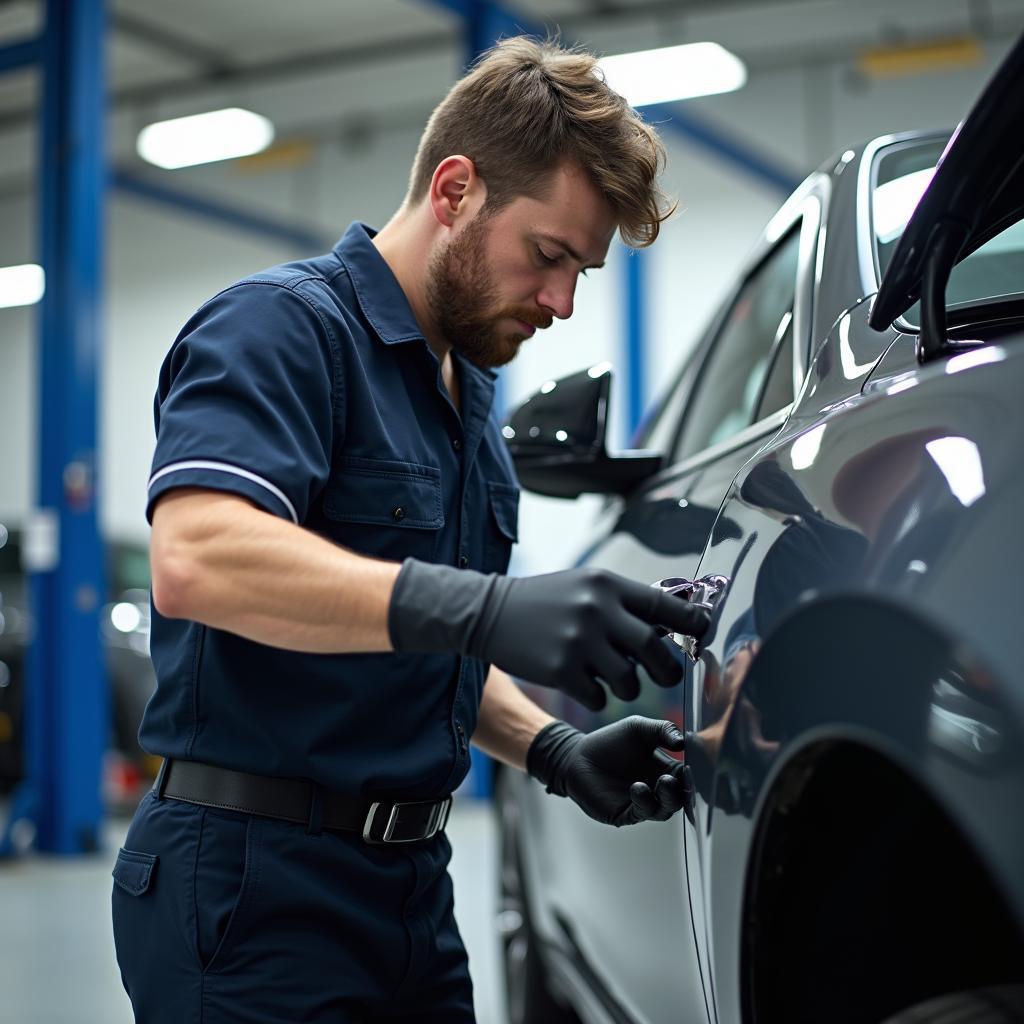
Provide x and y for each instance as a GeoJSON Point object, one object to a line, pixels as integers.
{"type": "Point", "coordinates": [435, 823]}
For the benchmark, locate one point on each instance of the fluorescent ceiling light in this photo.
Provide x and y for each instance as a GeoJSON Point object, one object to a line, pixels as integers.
{"type": "Point", "coordinates": [21, 285]}
{"type": "Point", "coordinates": [673, 73]}
{"type": "Point", "coordinates": [204, 138]}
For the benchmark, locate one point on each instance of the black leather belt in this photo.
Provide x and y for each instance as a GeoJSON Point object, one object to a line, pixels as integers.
{"type": "Point", "coordinates": [302, 802]}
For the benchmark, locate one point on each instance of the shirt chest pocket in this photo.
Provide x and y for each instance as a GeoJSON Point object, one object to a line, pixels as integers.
{"type": "Point", "coordinates": [393, 510]}
{"type": "Point", "coordinates": [502, 525]}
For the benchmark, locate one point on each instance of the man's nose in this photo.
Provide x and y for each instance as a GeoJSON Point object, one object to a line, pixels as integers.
{"type": "Point", "coordinates": [557, 297]}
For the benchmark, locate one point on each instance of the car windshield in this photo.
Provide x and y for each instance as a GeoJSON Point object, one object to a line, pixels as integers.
{"type": "Point", "coordinates": [901, 176]}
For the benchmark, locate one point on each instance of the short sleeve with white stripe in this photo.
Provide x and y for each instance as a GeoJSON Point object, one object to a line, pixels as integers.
{"type": "Point", "coordinates": [244, 402]}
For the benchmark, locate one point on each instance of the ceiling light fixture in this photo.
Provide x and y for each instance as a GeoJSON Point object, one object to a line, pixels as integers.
{"type": "Point", "coordinates": [674, 73]}
{"type": "Point", "coordinates": [204, 138]}
{"type": "Point", "coordinates": [21, 285]}
{"type": "Point", "coordinates": [921, 57]}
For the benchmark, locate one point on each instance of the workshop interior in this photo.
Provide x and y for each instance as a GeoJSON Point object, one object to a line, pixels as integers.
{"type": "Point", "coordinates": [796, 414]}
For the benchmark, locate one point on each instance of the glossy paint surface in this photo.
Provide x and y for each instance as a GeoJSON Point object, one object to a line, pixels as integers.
{"type": "Point", "coordinates": [869, 539]}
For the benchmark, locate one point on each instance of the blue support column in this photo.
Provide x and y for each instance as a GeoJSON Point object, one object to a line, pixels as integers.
{"type": "Point", "coordinates": [487, 21]}
{"type": "Point", "coordinates": [635, 335]}
{"type": "Point", "coordinates": [67, 701]}
{"type": "Point", "coordinates": [485, 24]}
{"type": "Point", "coordinates": [23, 54]}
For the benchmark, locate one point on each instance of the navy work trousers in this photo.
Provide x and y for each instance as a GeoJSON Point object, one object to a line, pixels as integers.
{"type": "Point", "coordinates": [224, 917]}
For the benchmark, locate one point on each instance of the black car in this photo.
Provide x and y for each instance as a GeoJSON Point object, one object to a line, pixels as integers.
{"type": "Point", "coordinates": [125, 624]}
{"type": "Point", "coordinates": [837, 474]}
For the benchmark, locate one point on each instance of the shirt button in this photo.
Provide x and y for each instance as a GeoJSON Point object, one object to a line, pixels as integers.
{"type": "Point", "coordinates": [398, 514]}
{"type": "Point", "coordinates": [463, 561]}
{"type": "Point", "coordinates": [457, 444]}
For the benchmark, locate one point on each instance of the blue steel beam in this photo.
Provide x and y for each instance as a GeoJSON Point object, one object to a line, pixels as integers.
{"type": "Point", "coordinates": [237, 218]}
{"type": "Point", "coordinates": [732, 150]}
{"type": "Point", "coordinates": [67, 693]}
{"type": "Point", "coordinates": [23, 54]}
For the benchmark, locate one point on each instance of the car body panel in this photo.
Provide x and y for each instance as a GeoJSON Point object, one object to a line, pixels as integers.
{"type": "Point", "coordinates": [858, 506]}
{"type": "Point", "coordinates": [866, 560]}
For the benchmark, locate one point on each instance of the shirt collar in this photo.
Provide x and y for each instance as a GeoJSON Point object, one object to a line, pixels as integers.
{"type": "Point", "coordinates": [379, 294]}
{"type": "Point", "coordinates": [377, 289]}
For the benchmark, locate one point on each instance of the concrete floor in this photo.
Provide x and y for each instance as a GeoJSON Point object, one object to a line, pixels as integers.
{"type": "Point", "coordinates": [57, 961]}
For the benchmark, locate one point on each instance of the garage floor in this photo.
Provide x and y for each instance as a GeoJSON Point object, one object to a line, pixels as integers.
{"type": "Point", "coordinates": [57, 952]}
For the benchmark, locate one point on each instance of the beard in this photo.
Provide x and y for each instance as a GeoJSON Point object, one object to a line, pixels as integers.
{"type": "Point", "coordinates": [462, 297]}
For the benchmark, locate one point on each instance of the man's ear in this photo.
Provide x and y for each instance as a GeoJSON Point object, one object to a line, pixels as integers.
{"type": "Point", "coordinates": [456, 190]}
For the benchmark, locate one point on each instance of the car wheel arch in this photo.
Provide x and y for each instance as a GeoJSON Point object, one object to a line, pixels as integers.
{"type": "Point", "coordinates": [858, 922]}
{"type": "Point", "coordinates": [827, 698]}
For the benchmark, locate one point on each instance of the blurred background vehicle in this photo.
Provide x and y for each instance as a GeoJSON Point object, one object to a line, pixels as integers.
{"type": "Point", "coordinates": [124, 622]}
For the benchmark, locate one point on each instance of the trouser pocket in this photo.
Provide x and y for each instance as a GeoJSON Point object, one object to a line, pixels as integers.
{"type": "Point", "coordinates": [133, 875]}
{"type": "Point", "coordinates": [133, 905]}
{"type": "Point", "coordinates": [133, 871]}
{"type": "Point", "coordinates": [225, 877]}
{"type": "Point", "coordinates": [184, 885]}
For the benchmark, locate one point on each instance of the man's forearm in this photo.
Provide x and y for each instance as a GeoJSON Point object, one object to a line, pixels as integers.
{"type": "Point", "coordinates": [220, 561]}
{"type": "Point", "coordinates": [508, 720]}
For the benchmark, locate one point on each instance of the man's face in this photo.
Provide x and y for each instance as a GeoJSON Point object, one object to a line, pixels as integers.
{"type": "Point", "coordinates": [504, 275]}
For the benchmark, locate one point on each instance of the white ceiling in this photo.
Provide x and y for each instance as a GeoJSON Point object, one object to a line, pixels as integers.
{"type": "Point", "coordinates": [191, 45]}
{"type": "Point", "coordinates": [326, 68]}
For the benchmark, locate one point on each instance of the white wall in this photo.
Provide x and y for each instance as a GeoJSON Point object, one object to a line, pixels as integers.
{"type": "Point", "coordinates": [161, 264]}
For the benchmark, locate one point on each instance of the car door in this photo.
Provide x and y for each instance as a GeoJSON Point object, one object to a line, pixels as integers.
{"type": "Point", "coordinates": [627, 894]}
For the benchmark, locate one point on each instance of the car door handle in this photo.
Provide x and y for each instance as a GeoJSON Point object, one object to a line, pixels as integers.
{"type": "Point", "coordinates": [706, 592]}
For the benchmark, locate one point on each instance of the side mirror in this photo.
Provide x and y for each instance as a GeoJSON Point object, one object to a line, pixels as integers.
{"type": "Point", "coordinates": [557, 439]}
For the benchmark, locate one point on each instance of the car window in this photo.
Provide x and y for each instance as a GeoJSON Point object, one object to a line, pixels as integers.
{"type": "Point", "coordinates": [660, 426]}
{"type": "Point", "coordinates": [901, 177]}
{"type": "Point", "coordinates": [730, 381]}
{"type": "Point", "coordinates": [778, 390]}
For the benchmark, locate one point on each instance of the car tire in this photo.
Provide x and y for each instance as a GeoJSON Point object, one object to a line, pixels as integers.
{"type": "Point", "coordinates": [1002, 1004]}
{"type": "Point", "coordinates": [528, 998]}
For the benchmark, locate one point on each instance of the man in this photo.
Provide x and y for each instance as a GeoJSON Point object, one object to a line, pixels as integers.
{"type": "Point", "coordinates": [333, 511]}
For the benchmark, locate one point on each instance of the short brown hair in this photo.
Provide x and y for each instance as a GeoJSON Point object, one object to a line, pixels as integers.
{"type": "Point", "coordinates": [525, 107]}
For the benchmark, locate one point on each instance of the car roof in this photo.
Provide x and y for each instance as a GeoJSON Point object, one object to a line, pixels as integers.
{"type": "Point", "coordinates": [978, 185]}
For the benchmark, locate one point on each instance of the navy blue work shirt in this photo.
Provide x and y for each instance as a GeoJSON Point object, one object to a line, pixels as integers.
{"type": "Point", "coordinates": [310, 390]}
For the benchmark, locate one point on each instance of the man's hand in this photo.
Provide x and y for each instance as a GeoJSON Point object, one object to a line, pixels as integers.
{"type": "Point", "coordinates": [571, 630]}
{"type": "Point", "coordinates": [616, 774]}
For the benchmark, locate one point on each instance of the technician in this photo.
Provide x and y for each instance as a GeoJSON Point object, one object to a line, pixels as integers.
{"type": "Point", "coordinates": [333, 509]}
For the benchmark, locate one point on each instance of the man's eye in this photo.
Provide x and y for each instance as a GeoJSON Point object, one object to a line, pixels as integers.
{"type": "Point", "coordinates": [545, 258]}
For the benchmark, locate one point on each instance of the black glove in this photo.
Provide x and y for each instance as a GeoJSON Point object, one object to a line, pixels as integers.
{"type": "Point", "coordinates": [616, 774]}
{"type": "Point", "coordinates": [565, 629]}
